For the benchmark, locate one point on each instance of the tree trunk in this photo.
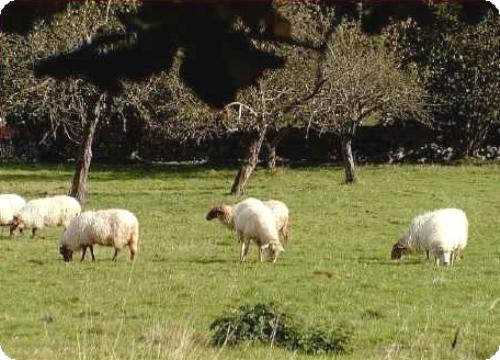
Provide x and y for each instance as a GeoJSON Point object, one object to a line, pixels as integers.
{"type": "Point", "coordinates": [272, 145]}
{"type": "Point", "coordinates": [249, 163]}
{"type": "Point", "coordinates": [79, 185]}
{"type": "Point", "coordinates": [474, 139]}
{"type": "Point", "coordinates": [348, 158]}
{"type": "Point", "coordinates": [271, 155]}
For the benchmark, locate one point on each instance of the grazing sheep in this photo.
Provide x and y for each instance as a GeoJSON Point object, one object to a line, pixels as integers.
{"type": "Point", "coordinates": [280, 211]}
{"type": "Point", "coordinates": [10, 205]}
{"type": "Point", "coordinates": [257, 222]}
{"type": "Point", "coordinates": [114, 227]}
{"type": "Point", "coordinates": [227, 213]}
{"type": "Point", "coordinates": [441, 232]}
{"type": "Point", "coordinates": [50, 211]}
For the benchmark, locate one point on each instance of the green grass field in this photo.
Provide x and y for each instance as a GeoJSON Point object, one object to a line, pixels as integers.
{"type": "Point", "coordinates": [336, 266]}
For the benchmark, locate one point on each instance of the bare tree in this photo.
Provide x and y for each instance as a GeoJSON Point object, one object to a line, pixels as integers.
{"type": "Point", "coordinates": [270, 106]}
{"type": "Point", "coordinates": [361, 78]}
{"type": "Point", "coordinates": [70, 105]}
{"type": "Point", "coordinates": [267, 110]}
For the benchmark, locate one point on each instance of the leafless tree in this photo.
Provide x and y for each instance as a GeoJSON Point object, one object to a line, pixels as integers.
{"type": "Point", "coordinates": [270, 106]}
{"type": "Point", "coordinates": [361, 78]}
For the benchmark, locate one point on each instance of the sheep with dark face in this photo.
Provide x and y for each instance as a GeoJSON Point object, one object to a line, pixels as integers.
{"type": "Point", "coordinates": [10, 206]}
{"type": "Point", "coordinates": [226, 213]}
{"type": "Point", "coordinates": [442, 233]}
{"type": "Point", "coordinates": [114, 227]}
{"type": "Point", "coordinates": [50, 211]}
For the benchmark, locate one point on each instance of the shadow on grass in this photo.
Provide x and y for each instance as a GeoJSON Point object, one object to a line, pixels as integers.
{"type": "Point", "coordinates": [209, 261]}
{"type": "Point", "coordinates": [131, 171]}
{"type": "Point", "coordinates": [109, 172]}
{"type": "Point", "coordinates": [36, 262]}
{"type": "Point", "coordinates": [407, 262]}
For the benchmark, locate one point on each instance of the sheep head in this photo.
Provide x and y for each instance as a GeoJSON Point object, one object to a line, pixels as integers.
{"type": "Point", "coordinates": [66, 253]}
{"type": "Point", "coordinates": [398, 250]}
{"type": "Point", "coordinates": [222, 212]}
{"type": "Point", "coordinates": [16, 223]}
{"type": "Point", "coordinates": [274, 250]}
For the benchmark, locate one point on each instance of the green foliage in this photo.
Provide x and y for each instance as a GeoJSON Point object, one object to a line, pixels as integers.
{"type": "Point", "coordinates": [267, 324]}
{"type": "Point", "coordinates": [323, 340]}
{"type": "Point", "coordinates": [262, 322]}
{"type": "Point", "coordinates": [459, 67]}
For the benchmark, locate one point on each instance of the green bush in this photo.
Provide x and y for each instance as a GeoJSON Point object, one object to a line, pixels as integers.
{"type": "Point", "coordinates": [265, 323]}
{"type": "Point", "coordinates": [321, 341]}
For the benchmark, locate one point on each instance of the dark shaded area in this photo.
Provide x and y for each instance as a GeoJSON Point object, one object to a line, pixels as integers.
{"type": "Point", "coordinates": [375, 15]}
{"type": "Point", "coordinates": [19, 16]}
{"type": "Point", "coordinates": [217, 60]}
{"type": "Point", "coordinates": [374, 144]}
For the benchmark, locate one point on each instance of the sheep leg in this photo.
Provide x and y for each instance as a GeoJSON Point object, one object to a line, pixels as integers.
{"type": "Point", "coordinates": [242, 250]}
{"type": "Point", "coordinates": [241, 239]}
{"type": "Point", "coordinates": [284, 231]}
{"type": "Point", "coordinates": [427, 254]}
{"type": "Point", "coordinates": [33, 233]}
{"type": "Point", "coordinates": [261, 254]}
{"type": "Point", "coordinates": [92, 252]}
{"type": "Point", "coordinates": [84, 250]}
{"type": "Point", "coordinates": [133, 250]}
{"type": "Point", "coordinates": [114, 256]}
{"type": "Point", "coordinates": [245, 245]}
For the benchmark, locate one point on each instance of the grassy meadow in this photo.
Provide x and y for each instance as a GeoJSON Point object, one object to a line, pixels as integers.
{"type": "Point", "coordinates": [336, 266]}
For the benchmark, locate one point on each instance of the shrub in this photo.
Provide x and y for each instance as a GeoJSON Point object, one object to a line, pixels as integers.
{"type": "Point", "coordinates": [321, 341]}
{"type": "Point", "coordinates": [267, 324]}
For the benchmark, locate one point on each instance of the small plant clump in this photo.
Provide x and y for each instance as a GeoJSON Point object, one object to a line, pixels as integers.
{"type": "Point", "coordinates": [265, 323]}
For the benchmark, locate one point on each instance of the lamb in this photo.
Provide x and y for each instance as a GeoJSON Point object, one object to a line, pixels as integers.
{"type": "Point", "coordinates": [50, 211]}
{"type": "Point", "coordinates": [227, 213]}
{"type": "Point", "coordinates": [441, 232]}
{"type": "Point", "coordinates": [113, 227]}
{"type": "Point", "coordinates": [257, 222]}
{"type": "Point", "coordinates": [10, 205]}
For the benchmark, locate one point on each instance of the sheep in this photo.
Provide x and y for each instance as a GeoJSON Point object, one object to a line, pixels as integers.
{"type": "Point", "coordinates": [112, 227]}
{"type": "Point", "coordinates": [280, 211]}
{"type": "Point", "coordinates": [227, 213]}
{"type": "Point", "coordinates": [441, 232]}
{"type": "Point", "coordinates": [10, 205]}
{"type": "Point", "coordinates": [257, 222]}
{"type": "Point", "coordinates": [50, 211]}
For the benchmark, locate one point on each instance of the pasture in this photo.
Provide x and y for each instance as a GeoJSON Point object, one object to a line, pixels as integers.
{"type": "Point", "coordinates": [336, 266]}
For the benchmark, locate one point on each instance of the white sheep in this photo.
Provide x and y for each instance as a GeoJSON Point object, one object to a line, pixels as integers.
{"type": "Point", "coordinates": [50, 211]}
{"type": "Point", "coordinates": [441, 232]}
{"type": "Point", "coordinates": [257, 222]}
{"type": "Point", "coordinates": [113, 227]}
{"type": "Point", "coordinates": [280, 211]}
{"type": "Point", "coordinates": [227, 213]}
{"type": "Point", "coordinates": [10, 205]}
